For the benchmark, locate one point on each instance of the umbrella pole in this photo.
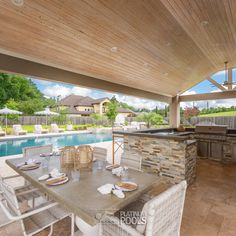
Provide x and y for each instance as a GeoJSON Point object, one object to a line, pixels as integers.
{"type": "Point", "coordinates": [6, 124]}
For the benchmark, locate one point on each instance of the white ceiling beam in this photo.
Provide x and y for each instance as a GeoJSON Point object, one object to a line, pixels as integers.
{"type": "Point", "coordinates": [208, 96]}
{"type": "Point", "coordinates": [219, 86]}
{"type": "Point", "coordinates": [20, 66]}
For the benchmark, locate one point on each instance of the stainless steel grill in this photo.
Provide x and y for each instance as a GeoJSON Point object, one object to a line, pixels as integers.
{"type": "Point", "coordinates": [212, 132]}
{"type": "Point", "coordinates": [211, 129]}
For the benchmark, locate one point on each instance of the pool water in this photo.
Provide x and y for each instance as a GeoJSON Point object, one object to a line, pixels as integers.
{"type": "Point", "coordinates": [14, 147]}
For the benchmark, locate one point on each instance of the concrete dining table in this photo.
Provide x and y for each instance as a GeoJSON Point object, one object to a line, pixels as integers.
{"type": "Point", "coordinates": [80, 195]}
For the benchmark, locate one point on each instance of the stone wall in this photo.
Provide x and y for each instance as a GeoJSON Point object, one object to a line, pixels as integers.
{"type": "Point", "coordinates": [175, 160]}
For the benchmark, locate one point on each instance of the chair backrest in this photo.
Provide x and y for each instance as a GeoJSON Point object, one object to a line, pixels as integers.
{"type": "Point", "coordinates": [100, 153]}
{"type": "Point", "coordinates": [69, 127]}
{"type": "Point", "coordinates": [54, 127]}
{"type": "Point", "coordinates": [38, 127]}
{"type": "Point", "coordinates": [17, 127]}
{"type": "Point", "coordinates": [131, 161]}
{"type": "Point", "coordinates": [164, 212]}
{"type": "Point", "coordinates": [10, 201]}
{"type": "Point", "coordinates": [30, 152]}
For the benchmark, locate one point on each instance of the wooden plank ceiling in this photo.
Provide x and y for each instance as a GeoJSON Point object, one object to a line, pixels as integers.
{"type": "Point", "coordinates": [161, 46]}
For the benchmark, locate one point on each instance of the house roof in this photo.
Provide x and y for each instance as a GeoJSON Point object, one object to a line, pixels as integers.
{"type": "Point", "coordinates": [77, 100]}
{"type": "Point", "coordinates": [100, 100]}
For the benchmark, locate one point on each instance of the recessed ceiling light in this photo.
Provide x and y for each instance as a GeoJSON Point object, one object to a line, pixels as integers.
{"type": "Point", "coordinates": [18, 3]}
{"type": "Point", "coordinates": [204, 22]}
{"type": "Point", "coordinates": [114, 49]}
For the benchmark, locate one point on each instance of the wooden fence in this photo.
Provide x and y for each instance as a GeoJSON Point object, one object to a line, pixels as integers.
{"type": "Point", "coordinates": [230, 121]}
{"type": "Point", "coordinates": [32, 120]}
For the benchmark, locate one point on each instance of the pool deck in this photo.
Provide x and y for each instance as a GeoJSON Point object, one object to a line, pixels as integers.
{"type": "Point", "coordinates": [5, 170]}
{"type": "Point", "coordinates": [33, 135]}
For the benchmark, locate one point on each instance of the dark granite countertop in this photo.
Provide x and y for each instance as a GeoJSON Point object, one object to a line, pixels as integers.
{"type": "Point", "coordinates": [158, 133]}
{"type": "Point", "coordinates": [168, 133]}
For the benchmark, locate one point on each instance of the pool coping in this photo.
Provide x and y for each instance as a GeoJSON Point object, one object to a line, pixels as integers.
{"type": "Point", "coordinates": [33, 135]}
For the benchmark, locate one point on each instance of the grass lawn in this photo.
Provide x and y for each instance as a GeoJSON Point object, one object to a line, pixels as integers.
{"type": "Point", "coordinates": [30, 128]}
{"type": "Point", "coordinates": [225, 113]}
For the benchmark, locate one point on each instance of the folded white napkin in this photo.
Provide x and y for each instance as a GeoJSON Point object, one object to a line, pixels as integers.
{"type": "Point", "coordinates": [117, 171]}
{"type": "Point", "coordinates": [118, 193]}
{"type": "Point", "coordinates": [105, 189]}
{"type": "Point", "coordinates": [56, 173]}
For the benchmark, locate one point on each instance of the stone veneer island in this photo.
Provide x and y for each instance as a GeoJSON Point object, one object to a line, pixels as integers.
{"type": "Point", "coordinates": [171, 155]}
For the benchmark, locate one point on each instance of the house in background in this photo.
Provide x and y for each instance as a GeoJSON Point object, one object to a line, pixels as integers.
{"type": "Point", "coordinates": [76, 105]}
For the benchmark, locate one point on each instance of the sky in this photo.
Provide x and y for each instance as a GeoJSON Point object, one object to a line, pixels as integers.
{"type": "Point", "coordinates": [54, 89]}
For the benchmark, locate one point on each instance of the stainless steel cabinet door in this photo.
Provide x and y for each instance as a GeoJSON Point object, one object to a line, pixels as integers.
{"type": "Point", "coordinates": [216, 151]}
{"type": "Point", "coordinates": [202, 149]}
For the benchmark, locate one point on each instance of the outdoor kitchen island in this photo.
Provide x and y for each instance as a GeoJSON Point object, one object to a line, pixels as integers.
{"type": "Point", "coordinates": [168, 153]}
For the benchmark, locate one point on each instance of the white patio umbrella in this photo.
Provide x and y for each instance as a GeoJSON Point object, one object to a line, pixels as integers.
{"type": "Point", "coordinates": [46, 113]}
{"type": "Point", "coordinates": [6, 111]}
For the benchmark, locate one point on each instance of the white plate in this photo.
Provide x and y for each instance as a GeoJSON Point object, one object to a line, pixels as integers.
{"type": "Point", "coordinates": [59, 183]}
{"type": "Point", "coordinates": [125, 189]}
{"type": "Point", "coordinates": [47, 176]}
{"type": "Point", "coordinates": [43, 177]}
{"type": "Point", "coordinates": [29, 167]}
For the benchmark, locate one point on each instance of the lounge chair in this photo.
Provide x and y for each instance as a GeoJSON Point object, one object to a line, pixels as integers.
{"type": "Point", "coordinates": [56, 129]}
{"type": "Point", "coordinates": [162, 215]}
{"type": "Point", "coordinates": [69, 127]}
{"type": "Point", "coordinates": [38, 129]}
{"type": "Point", "coordinates": [17, 130]}
{"type": "Point", "coordinates": [2, 133]}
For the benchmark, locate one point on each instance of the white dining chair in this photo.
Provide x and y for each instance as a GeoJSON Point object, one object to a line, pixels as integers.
{"type": "Point", "coordinates": [163, 216]}
{"type": "Point", "coordinates": [100, 153]}
{"type": "Point", "coordinates": [35, 220]}
{"type": "Point", "coordinates": [23, 190]}
{"type": "Point", "coordinates": [131, 161]}
{"type": "Point", "coordinates": [31, 152]}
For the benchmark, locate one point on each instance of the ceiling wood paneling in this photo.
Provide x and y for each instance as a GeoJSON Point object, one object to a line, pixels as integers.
{"type": "Point", "coordinates": [162, 46]}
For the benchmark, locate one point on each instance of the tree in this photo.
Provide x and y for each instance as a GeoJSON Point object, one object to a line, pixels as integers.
{"type": "Point", "coordinates": [112, 112]}
{"type": "Point", "coordinates": [18, 88]}
{"type": "Point", "coordinates": [98, 117]}
{"type": "Point", "coordinates": [151, 118]}
{"type": "Point", "coordinates": [190, 112]}
{"type": "Point", "coordinates": [60, 119]}
{"type": "Point", "coordinates": [25, 94]}
{"type": "Point", "coordinates": [11, 104]}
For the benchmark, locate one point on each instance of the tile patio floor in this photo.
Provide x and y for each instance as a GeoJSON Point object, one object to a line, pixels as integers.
{"type": "Point", "coordinates": [210, 207]}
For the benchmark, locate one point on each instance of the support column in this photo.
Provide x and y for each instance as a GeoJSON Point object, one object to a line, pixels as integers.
{"type": "Point", "coordinates": [174, 112]}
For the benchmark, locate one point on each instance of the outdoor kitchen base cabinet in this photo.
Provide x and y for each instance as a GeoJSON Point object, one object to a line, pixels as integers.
{"type": "Point", "coordinates": [216, 151]}
{"type": "Point", "coordinates": [202, 149]}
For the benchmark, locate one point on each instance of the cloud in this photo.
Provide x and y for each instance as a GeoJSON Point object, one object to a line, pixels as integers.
{"type": "Point", "coordinates": [221, 72]}
{"type": "Point", "coordinates": [42, 82]}
{"type": "Point", "coordinates": [63, 91]}
{"type": "Point", "coordinates": [189, 92]}
{"type": "Point", "coordinates": [140, 102]}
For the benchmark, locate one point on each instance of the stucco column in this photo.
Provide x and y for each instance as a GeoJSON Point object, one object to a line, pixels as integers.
{"type": "Point", "coordinates": [174, 114]}
{"type": "Point", "coordinates": [100, 108]}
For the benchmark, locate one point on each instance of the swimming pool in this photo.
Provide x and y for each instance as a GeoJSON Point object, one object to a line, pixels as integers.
{"type": "Point", "coordinates": [14, 147]}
